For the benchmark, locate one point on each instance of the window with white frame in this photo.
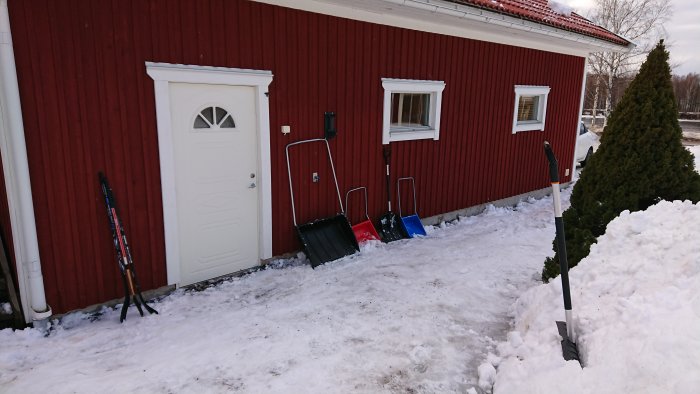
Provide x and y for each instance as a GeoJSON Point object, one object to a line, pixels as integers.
{"type": "Point", "coordinates": [530, 111]}
{"type": "Point", "coordinates": [411, 109]}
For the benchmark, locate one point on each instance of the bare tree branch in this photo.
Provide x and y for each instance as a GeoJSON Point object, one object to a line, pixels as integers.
{"type": "Point", "coordinates": [640, 21]}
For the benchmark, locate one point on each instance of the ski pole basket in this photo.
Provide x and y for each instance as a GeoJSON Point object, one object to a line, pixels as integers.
{"type": "Point", "coordinates": [411, 223]}
{"type": "Point", "coordinates": [325, 239]}
{"type": "Point", "coordinates": [364, 231]}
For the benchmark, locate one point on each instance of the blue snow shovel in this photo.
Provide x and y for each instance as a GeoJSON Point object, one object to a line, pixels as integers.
{"type": "Point", "coordinates": [566, 330]}
{"type": "Point", "coordinates": [411, 223]}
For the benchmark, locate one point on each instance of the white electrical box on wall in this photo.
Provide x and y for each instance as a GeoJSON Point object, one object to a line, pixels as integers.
{"type": "Point", "coordinates": [286, 129]}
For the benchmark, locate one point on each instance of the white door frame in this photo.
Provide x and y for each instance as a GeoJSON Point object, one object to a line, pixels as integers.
{"type": "Point", "coordinates": [163, 74]}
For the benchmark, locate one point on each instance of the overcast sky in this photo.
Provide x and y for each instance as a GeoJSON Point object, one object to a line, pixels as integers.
{"type": "Point", "coordinates": [683, 32]}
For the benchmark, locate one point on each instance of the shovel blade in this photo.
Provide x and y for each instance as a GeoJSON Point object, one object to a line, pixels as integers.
{"type": "Point", "coordinates": [568, 349]}
{"type": "Point", "coordinates": [413, 226]}
{"type": "Point", "coordinates": [389, 228]}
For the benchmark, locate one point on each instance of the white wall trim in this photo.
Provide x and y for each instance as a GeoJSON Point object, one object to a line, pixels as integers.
{"type": "Point", "coordinates": [525, 90]}
{"type": "Point", "coordinates": [452, 19]}
{"type": "Point", "coordinates": [163, 74]}
{"type": "Point", "coordinates": [435, 89]}
{"type": "Point", "coordinates": [17, 182]}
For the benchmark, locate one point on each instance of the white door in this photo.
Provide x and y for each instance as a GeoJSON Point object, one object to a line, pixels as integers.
{"type": "Point", "coordinates": [216, 175]}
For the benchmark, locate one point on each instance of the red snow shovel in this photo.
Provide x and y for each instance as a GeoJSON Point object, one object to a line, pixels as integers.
{"type": "Point", "coordinates": [364, 231]}
{"type": "Point", "coordinates": [566, 330]}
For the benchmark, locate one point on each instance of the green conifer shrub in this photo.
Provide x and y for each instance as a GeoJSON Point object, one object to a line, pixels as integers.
{"type": "Point", "coordinates": [640, 161]}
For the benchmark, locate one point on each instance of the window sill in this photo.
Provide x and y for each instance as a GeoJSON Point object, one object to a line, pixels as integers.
{"type": "Point", "coordinates": [413, 135]}
{"type": "Point", "coordinates": [539, 126]}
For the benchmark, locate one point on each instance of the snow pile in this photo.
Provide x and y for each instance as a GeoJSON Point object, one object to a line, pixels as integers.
{"type": "Point", "coordinates": [560, 8]}
{"type": "Point", "coordinates": [636, 301]}
{"type": "Point", "coordinates": [411, 316]}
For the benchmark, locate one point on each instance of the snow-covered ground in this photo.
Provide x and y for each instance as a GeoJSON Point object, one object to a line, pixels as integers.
{"type": "Point", "coordinates": [412, 316]}
{"type": "Point", "coordinates": [636, 301]}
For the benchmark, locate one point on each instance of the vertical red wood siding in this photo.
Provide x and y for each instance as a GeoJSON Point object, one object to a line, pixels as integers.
{"type": "Point", "coordinates": [88, 105]}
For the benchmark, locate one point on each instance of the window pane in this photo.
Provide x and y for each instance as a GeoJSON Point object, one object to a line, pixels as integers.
{"type": "Point", "coordinates": [199, 123]}
{"type": "Point", "coordinates": [411, 110]}
{"type": "Point", "coordinates": [220, 114]}
{"type": "Point", "coordinates": [209, 114]}
{"type": "Point", "coordinates": [528, 108]}
{"type": "Point", "coordinates": [228, 122]}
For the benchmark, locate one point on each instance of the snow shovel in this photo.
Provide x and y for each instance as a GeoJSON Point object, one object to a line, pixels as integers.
{"type": "Point", "coordinates": [412, 225]}
{"type": "Point", "coordinates": [566, 330]}
{"type": "Point", "coordinates": [325, 239]}
{"type": "Point", "coordinates": [364, 231]}
{"type": "Point", "coordinates": [389, 227]}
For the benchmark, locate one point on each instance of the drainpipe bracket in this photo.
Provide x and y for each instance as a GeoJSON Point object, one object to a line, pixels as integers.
{"type": "Point", "coordinates": [42, 315]}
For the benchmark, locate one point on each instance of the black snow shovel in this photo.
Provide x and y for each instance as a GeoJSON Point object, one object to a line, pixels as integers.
{"type": "Point", "coordinates": [390, 223]}
{"type": "Point", "coordinates": [566, 330]}
{"type": "Point", "coordinates": [324, 239]}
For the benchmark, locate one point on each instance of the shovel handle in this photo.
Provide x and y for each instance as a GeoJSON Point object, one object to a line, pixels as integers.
{"type": "Point", "coordinates": [561, 236]}
{"type": "Point", "coordinates": [553, 164]}
{"type": "Point", "coordinates": [387, 155]}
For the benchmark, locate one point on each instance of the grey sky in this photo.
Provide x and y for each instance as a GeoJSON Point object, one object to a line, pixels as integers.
{"type": "Point", "coordinates": [683, 32]}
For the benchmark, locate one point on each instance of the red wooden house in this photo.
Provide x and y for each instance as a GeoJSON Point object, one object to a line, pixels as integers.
{"type": "Point", "coordinates": [188, 106]}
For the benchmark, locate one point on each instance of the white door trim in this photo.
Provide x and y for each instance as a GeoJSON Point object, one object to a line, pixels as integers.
{"type": "Point", "coordinates": [163, 74]}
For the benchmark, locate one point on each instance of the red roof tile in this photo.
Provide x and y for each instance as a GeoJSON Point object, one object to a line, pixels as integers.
{"type": "Point", "coordinates": [539, 11]}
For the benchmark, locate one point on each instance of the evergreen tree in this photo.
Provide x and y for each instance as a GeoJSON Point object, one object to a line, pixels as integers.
{"type": "Point", "coordinates": [640, 161]}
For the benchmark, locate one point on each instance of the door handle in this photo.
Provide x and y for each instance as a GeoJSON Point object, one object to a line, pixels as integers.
{"type": "Point", "coordinates": [251, 186]}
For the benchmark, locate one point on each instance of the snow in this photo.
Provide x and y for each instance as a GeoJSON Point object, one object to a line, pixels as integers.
{"type": "Point", "coordinates": [636, 303]}
{"type": "Point", "coordinates": [695, 150]}
{"type": "Point", "coordinates": [417, 315]}
{"type": "Point", "coordinates": [426, 315]}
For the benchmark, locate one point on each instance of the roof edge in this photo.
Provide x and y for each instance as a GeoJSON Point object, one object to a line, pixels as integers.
{"type": "Point", "coordinates": [442, 17]}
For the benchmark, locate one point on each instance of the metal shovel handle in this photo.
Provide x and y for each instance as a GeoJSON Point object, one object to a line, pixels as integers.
{"type": "Point", "coordinates": [354, 190]}
{"type": "Point", "coordinates": [398, 193]}
{"type": "Point", "coordinates": [289, 173]}
{"type": "Point", "coordinates": [561, 239]}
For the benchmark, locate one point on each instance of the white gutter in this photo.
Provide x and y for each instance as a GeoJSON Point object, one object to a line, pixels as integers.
{"type": "Point", "coordinates": [19, 191]}
{"type": "Point", "coordinates": [495, 18]}
{"type": "Point", "coordinates": [457, 20]}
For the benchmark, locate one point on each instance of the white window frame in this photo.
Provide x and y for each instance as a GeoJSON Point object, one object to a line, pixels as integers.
{"type": "Point", "coordinates": [434, 88]}
{"type": "Point", "coordinates": [524, 90]}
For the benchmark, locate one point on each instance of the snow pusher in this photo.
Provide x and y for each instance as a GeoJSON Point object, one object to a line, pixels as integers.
{"type": "Point", "coordinates": [132, 288]}
{"type": "Point", "coordinates": [325, 239]}
{"type": "Point", "coordinates": [566, 329]}
{"type": "Point", "coordinates": [364, 231]}
{"type": "Point", "coordinates": [412, 225]}
{"type": "Point", "coordinates": [389, 227]}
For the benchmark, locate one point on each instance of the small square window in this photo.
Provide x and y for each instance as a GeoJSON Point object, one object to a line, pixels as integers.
{"type": "Point", "coordinates": [530, 108]}
{"type": "Point", "coordinates": [411, 109]}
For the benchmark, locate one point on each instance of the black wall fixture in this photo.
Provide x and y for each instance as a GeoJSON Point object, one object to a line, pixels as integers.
{"type": "Point", "coordinates": [329, 125]}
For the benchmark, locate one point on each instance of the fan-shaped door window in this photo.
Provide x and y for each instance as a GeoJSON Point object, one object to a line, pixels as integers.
{"type": "Point", "coordinates": [214, 118]}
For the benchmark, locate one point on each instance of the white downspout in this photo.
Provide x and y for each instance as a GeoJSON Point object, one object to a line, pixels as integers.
{"type": "Point", "coordinates": [19, 190]}
{"type": "Point", "coordinates": [580, 115]}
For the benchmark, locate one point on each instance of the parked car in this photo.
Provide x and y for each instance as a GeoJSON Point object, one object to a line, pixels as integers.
{"type": "Point", "coordinates": [586, 144]}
